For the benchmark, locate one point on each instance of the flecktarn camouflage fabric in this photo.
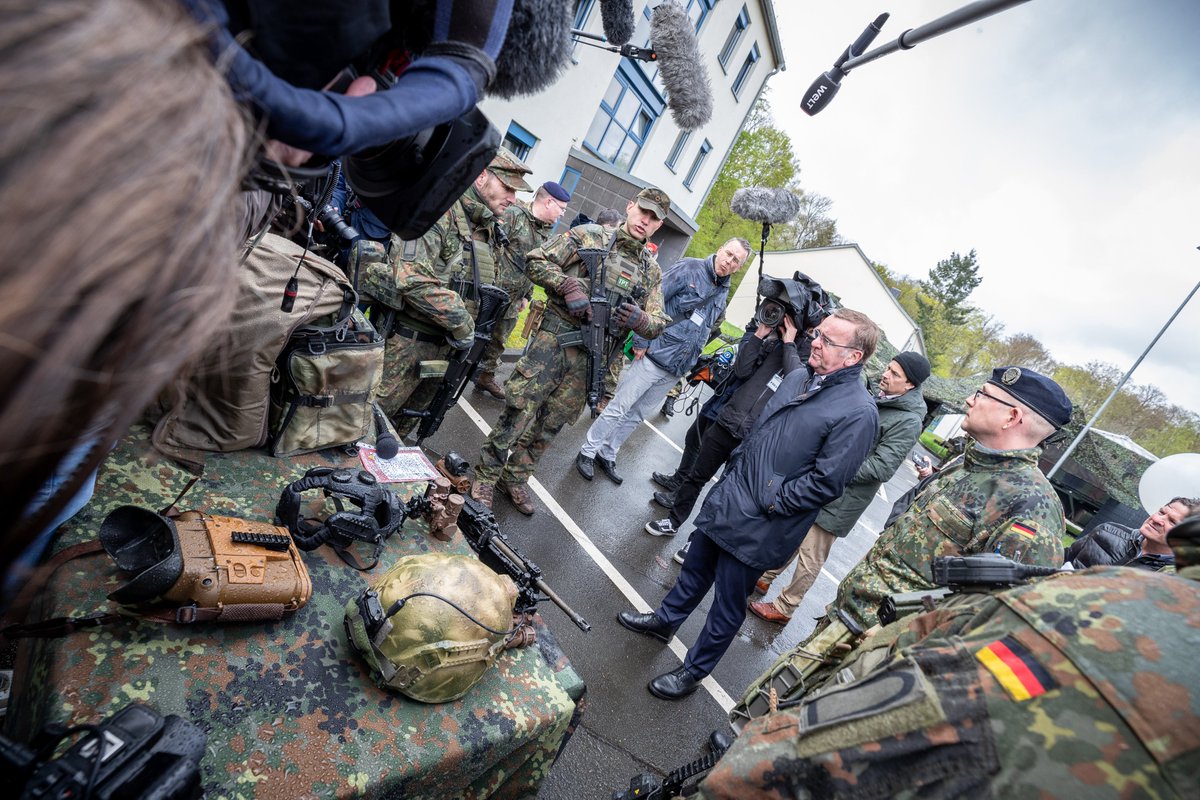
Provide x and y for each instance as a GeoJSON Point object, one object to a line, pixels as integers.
{"type": "Point", "coordinates": [289, 708]}
{"type": "Point", "coordinates": [1080, 685]}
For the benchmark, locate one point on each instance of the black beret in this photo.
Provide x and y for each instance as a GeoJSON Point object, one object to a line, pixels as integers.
{"type": "Point", "coordinates": [557, 192]}
{"type": "Point", "coordinates": [1036, 391]}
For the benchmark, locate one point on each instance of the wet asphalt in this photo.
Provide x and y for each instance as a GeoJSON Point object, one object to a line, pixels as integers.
{"type": "Point", "coordinates": [625, 730]}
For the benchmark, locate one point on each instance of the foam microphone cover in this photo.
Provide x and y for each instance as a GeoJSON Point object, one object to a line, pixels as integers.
{"type": "Point", "coordinates": [617, 18]}
{"type": "Point", "coordinates": [537, 48]}
{"type": "Point", "coordinates": [760, 204]}
{"type": "Point", "coordinates": [684, 76]}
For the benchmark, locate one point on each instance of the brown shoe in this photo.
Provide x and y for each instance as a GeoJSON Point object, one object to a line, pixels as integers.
{"type": "Point", "coordinates": [486, 382]}
{"type": "Point", "coordinates": [762, 586]}
{"type": "Point", "coordinates": [520, 497]}
{"type": "Point", "coordinates": [767, 611]}
{"type": "Point", "coordinates": [483, 492]}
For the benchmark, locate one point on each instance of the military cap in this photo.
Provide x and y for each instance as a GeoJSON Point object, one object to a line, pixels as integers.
{"type": "Point", "coordinates": [655, 200]}
{"type": "Point", "coordinates": [915, 366]}
{"type": "Point", "coordinates": [510, 170]}
{"type": "Point", "coordinates": [557, 191]}
{"type": "Point", "coordinates": [1036, 391]}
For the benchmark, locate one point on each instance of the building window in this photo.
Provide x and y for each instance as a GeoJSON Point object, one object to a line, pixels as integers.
{"type": "Point", "coordinates": [676, 149]}
{"type": "Point", "coordinates": [735, 35]}
{"type": "Point", "coordinates": [519, 141]}
{"type": "Point", "coordinates": [705, 149]}
{"type": "Point", "coordinates": [582, 9]}
{"type": "Point", "coordinates": [623, 122]}
{"type": "Point", "coordinates": [746, 70]}
{"type": "Point", "coordinates": [569, 179]}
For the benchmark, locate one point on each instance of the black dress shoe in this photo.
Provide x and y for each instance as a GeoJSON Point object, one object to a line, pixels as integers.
{"type": "Point", "coordinates": [586, 466]}
{"type": "Point", "coordinates": [719, 741]}
{"type": "Point", "coordinates": [674, 685]}
{"type": "Point", "coordinates": [609, 468]}
{"type": "Point", "coordinates": [665, 499]}
{"type": "Point", "coordinates": [648, 624]}
{"type": "Point", "coordinates": [669, 482]}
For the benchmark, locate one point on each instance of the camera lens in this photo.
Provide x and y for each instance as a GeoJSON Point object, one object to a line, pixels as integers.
{"type": "Point", "coordinates": [770, 313]}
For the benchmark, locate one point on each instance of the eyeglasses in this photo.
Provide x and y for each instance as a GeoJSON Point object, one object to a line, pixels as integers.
{"type": "Point", "coordinates": [981, 393]}
{"type": "Point", "coordinates": [821, 337]}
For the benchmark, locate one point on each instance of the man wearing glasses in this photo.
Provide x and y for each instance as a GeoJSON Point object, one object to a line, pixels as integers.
{"type": "Point", "coordinates": [800, 454]}
{"type": "Point", "coordinates": [998, 501]}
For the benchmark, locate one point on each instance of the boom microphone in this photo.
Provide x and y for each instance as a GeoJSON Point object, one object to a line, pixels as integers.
{"type": "Point", "coordinates": [537, 48]}
{"type": "Point", "coordinates": [768, 206]}
{"type": "Point", "coordinates": [826, 86]}
{"type": "Point", "coordinates": [684, 76]}
{"type": "Point", "coordinates": [617, 18]}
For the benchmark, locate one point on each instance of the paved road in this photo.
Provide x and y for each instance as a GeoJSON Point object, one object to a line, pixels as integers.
{"type": "Point", "coordinates": [588, 539]}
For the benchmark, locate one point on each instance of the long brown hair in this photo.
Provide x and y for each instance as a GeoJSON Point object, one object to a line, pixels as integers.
{"type": "Point", "coordinates": [121, 152]}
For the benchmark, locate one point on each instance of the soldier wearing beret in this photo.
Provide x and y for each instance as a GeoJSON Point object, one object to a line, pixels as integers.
{"type": "Point", "coordinates": [428, 287]}
{"type": "Point", "coordinates": [998, 501]}
{"type": "Point", "coordinates": [548, 387]}
{"type": "Point", "coordinates": [528, 225]}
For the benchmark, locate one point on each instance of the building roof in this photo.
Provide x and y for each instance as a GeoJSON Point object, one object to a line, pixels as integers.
{"type": "Point", "coordinates": [773, 33]}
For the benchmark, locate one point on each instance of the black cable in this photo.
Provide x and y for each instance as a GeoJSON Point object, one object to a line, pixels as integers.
{"type": "Point", "coordinates": [399, 604]}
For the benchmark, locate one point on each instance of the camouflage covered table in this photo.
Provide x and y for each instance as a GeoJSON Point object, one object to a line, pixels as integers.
{"type": "Point", "coordinates": [288, 707]}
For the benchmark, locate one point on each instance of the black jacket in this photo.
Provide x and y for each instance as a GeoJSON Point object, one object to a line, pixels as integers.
{"type": "Point", "coordinates": [1113, 545]}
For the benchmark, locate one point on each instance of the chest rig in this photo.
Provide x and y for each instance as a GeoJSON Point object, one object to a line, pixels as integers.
{"type": "Point", "coordinates": [478, 266]}
{"type": "Point", "coordinates": [620, 276]}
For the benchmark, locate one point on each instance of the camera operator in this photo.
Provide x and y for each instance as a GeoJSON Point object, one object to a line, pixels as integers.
{"type": "Point", "coordinates": [766, 355]}
{"type": "Point", "coordinates": [800, 454]}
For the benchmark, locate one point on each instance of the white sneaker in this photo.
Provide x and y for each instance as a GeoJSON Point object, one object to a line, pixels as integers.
{"type": "Point", "coordinates": [661, 527]}
{"type": "Point", "coordinates": [681, 553]}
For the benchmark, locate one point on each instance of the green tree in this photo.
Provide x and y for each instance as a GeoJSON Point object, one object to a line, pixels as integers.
{"type": "Point", "coordinates": [951, 282]}
{"type": "Point", "coordinates": [814, 227]}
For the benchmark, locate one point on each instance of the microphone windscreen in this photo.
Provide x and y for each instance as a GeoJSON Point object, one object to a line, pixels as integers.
{"type": "Point", "coordinates": [537, 48]}
{"type": "Point", "coordinates": [617, 18]}
{"type": "Point", "coordinates": [684, 76]}
{"type": "Point", "coordinates": [760, 204]}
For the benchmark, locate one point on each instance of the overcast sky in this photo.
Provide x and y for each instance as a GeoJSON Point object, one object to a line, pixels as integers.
{"type": "Point", "coordinates": [1060, 139]}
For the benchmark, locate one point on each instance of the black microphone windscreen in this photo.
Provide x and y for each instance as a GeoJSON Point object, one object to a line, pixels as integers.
{"type": "Point", "coordinates": [617, 18]}
{"type": "Point", "coordinates": [684, 76]}
{"type": "Point", "coordinates": [537, 48]}
{"type": "Point", "coordinates": [760, 204]}
{"type": "Point", "coordinates": [386, 445]}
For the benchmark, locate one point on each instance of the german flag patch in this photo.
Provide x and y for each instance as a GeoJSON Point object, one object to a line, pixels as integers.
{"type": "Point", "coordinates": [1015, 668]}
{"type": "Point", "coordinates": [1022, 529]}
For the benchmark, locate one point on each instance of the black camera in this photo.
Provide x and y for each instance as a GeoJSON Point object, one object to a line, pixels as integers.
{"type": "Point", "coordinates": [135, 753]}
{"type": "Point", "coordinates": [799, 297]}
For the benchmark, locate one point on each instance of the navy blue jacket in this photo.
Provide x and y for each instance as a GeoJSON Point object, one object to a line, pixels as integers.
{"type": "Point", "coordinates": [690, 288]}
{"type": "Point", "coordinates": [800, 455]}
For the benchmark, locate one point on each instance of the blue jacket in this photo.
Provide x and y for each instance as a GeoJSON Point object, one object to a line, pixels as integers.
{"type": "Point", "coordinates": [800, 455]}
{"type": "Point", "coordinates": [696, 297]}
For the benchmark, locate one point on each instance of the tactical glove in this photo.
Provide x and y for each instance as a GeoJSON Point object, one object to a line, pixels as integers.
{"type": "Point", "coordinates": [575, 297]}
{"type": "Point", "coordinates": [633, 318]}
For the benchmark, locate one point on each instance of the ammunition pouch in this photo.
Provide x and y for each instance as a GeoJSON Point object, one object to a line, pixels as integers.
{"type": "Point", "coordinates": [366, 512]}
{"type": "Point", "coordinates": [216, 568]}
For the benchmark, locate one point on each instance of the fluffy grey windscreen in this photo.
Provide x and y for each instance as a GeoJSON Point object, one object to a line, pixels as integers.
{"type": "Point", "coordinates": [684, 76]}
{"type": "Point", "coordinates": [617, 18]}
{"type": "Point", "coordinates": [760, 204]}
{"type": "Point", "coordinates": [537, 49]}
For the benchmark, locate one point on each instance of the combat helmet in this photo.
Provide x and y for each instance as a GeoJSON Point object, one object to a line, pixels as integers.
{"type": "Point", "coordinates": [432, 625]}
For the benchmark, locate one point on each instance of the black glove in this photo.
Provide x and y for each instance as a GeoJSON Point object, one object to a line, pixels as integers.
{"type": "Point", "coordinates": [576, 298]}
{"type": "Point", "coordinates": [631, 317]}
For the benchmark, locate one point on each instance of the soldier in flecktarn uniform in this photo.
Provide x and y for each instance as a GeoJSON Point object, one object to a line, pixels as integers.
{"type": "Point", "coordinates": [548, 387]}
{"type": "Point", "coordinates": [528, 225]}
{"type": "Point", "coordinates": [1082, 684]}
{"type": "Point", "coordinates": [429, 288]}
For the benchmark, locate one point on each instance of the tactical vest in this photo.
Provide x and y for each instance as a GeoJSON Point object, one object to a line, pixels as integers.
{"type": "Point", "coordinates": [478, 265]}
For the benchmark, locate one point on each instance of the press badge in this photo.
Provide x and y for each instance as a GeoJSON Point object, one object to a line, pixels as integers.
{"type": "Point", "coordinates": [697, 319]}
{"type": "Point", "coordinates": [776, 379]}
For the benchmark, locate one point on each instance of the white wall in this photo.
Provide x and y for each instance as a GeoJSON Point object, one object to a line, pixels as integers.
{"type": "Point", "coordinates": [560, 115]}
{"type": "Point", "coordinates": [843, 271]}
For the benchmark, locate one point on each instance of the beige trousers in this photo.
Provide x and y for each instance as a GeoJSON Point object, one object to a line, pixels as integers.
{"type": "Point", "coordinates": [810, 557]}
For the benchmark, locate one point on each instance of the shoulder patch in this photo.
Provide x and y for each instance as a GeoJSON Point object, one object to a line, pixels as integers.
{"type": "Point", "coordinates": [1021, 529]}
{"type": "Point", "coordinates": [408, 249]}
{"type": "Point", "coordinates": [1015, 668]}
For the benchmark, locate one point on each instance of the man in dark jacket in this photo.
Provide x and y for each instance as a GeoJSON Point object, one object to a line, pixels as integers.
{"type": "Point", "coordinates": [901, 410]}
{"type": "Point", "coordinates": [695, 291]}
{"type": "Point", "coordinates": [1113, 545]}
{"type": "Point", "coordinates": [800, 454]}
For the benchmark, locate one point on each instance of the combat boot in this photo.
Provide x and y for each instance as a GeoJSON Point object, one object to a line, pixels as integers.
{"type": "Point", "coordinates": [486, 382]}
{"type": "Point", "coordinates": [518, 493]}
{"type": "Point", "coordinates": [483, 492]}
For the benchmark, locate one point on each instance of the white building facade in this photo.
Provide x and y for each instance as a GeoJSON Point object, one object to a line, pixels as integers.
{"type": "Point", "coordinates": [603, 129]}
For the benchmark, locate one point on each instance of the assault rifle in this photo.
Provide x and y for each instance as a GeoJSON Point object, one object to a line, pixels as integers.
{"type": "Point", "coordinates": [483, 534]}
{"type": "Point", "coordinates": [644, 787]}
{"type": "Point", "coordinates": [595, 331]}
{"type": "Point", "coordinates": [463, 364]}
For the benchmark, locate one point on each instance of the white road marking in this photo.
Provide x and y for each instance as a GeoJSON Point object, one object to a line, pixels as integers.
{"type": "Point", "coordinates": [677, 647]}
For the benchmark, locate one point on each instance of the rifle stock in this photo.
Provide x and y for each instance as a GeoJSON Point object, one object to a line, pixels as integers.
{"type": "Point", "coordinates": [483, 534]}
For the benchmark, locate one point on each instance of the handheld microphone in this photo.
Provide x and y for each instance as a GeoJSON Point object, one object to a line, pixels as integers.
{"type": "Point", "coordinates": [617, 18]}
{"type": "Point", "coordinates": [289, 295]}
{"type": "Point", "coordinates": [684, 76]}
{"type": "Point", "coordinates": [385, 443]}
{"type": "Point", "coordinates": [823, 89]}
